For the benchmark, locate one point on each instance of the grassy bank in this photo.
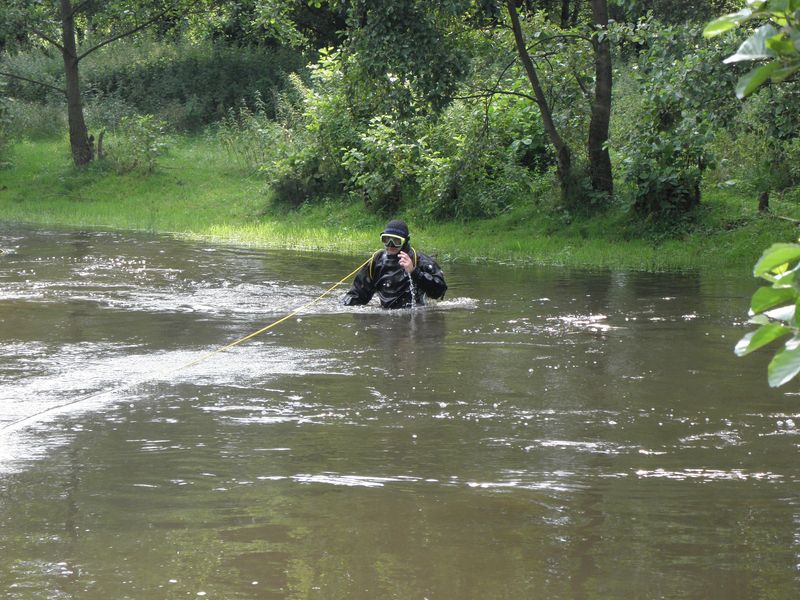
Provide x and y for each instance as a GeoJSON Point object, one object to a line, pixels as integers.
{"type": "Point", "coordinates": [199, 191]}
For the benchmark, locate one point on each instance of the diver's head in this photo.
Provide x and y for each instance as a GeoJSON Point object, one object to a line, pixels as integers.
{"type": "Point", "coordinates": [395, 237]}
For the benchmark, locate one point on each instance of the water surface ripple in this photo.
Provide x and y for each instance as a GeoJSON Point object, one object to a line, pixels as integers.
{"type": "Point", "coordinates": [541, 433]}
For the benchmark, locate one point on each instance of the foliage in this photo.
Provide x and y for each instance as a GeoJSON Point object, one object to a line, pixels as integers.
{"type": "Point", "coordinates": [673, 12]}
{"type": "Point", "coordinates": [106, 111]}
{"type": "Point", "coordinates": [665, 155]}
{"type": "Point", "coordinates": [565, 62]}
{"type": "Point", "coordinates": [322, 127]}
{"type": "Point", "coordinates": [187, 84]}
{"type": "Point", "coordinates": [760, 150]}
{"type": "Point", "coordinates": [136, 144]}
{"type": "Point", "coordinates": [5, 136]}
{"type": "Point", "coordinates": [480, 160]}
{"type": "Point", "coordinates": [252, 137]}
{"type": "Point", "coordinates": [382, 164]}
{"type": "Point", "coordinates": [300, 23]}
{"type": "Point", "coordinates": [402, 53]}
{"type": "Point", "coordinates": [777, 42]}
{"type": "Point", "coordinates": [13, 26]}
{"type": "Point", "coordinates": [471, 161]}
{"type": "Point", "coordinates": [774, 309]}
{"type": "Point", "coordinates": [36, 120]}
{"type": "Point", "coordinates": [38, 68]}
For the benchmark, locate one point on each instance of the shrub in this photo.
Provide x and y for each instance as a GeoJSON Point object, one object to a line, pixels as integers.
{"type": "Point", "coordinates": [761, 151]}
{"type": "Point", "coordinates": [35, 119]}
{"type": "Point", "coordinates": [106, 111]}
{"type": "Point", "coordinates": [189, 85]}
{"type": "Point", "coordinates": [36, 66]}
{"type": "Point", "coordinates": [666, 153]}
{"type": "Point", "coordinates": [136, 144]}
{"type": "Point", "coordinates": [5, 136]}
{"type": "Point", "coordinates": [252, 137]}
{"type": "Point", "coordinates": [479, 160]}
{"type": "Point", "coordinates": [323, 128]}
{"type": "Point", "coordinates": [666, 167]}
{"type": "Point", "coordinates": [382, 165]}
{"type": "Point", "coordinates": [186, 84]}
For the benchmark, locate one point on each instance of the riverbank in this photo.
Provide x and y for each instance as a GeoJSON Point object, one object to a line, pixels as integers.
{"type": "Point", "coordinates": [200, 192]}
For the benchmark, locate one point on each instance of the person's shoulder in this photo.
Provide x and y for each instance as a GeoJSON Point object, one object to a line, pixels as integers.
{"type": "Point", "coordinates": [421, 256]}
{"type": "Point", "coordinates": [425, 260]}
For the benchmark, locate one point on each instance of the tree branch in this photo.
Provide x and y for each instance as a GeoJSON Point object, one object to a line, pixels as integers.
{"type": "Point", "coordinates": [586, 93]}
{"type": "Point", "coordinates": [48, 39]}
{"type": "Point", "coordinates": [494, 92]}
{"type": "Point", "coordinates": [79, 8]}
{"type": "Point", "coordinates": [114, 38]}
{"type": "Point", "coordinates": [118, 36]}
{"type": "Point", "coordinates": [47, 85]}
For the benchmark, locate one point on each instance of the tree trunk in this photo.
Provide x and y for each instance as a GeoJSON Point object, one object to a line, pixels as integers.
{"type": "Point", "coordinates": [599, 160]}
{"type": "Point", "coordinates": [563, 153]}
{"type": "Point", "coordinates": [564, 14]}
{"type": "Point", "coordinates": [576, 8]}
{"type": "Point", "coordinates": [78, 134]}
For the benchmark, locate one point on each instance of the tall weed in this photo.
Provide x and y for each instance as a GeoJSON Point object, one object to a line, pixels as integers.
{"type": "Point", "coordinates": [5, 136]}
{"type": "Point", "coordinates": [37, 120]}
{"type": "Point", "coordinates": [136, 144]}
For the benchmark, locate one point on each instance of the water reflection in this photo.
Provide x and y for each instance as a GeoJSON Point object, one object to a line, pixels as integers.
{"type": "Point", "coordinates": [541, 434]}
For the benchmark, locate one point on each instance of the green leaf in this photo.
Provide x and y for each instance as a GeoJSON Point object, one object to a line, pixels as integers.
{"type": "Point", "coordinates": [782, 313]}
{"type": "Point", "coordinates": [769, 297]}
{"type": "Point", "coordinates": [776, 256]}
{"type": "Point", "coordinates": [777, 7]}
{"type": "Point", "coordinates": [783, 367]}
{"type": "Point", "coordinates": [760, 337]}
{"type": "Point", "coordinates": [785, 72]}
{"type": "Point", "coordinates": [755, 47]}
{"type": "Point", "coordinates": [780, 45]}
{"type": "Point", "coordinates": [759, 320]}
{"type": "Point", "coordinates": [750, 82]}
{"type": "Point", "coordinates": [726, 22]}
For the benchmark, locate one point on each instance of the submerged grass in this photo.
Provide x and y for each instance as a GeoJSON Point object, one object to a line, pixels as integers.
{"type": "Point", "coordinates": [200, 192]}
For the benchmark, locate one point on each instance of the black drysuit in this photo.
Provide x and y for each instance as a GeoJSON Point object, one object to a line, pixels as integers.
{"type": "Point", "coordinates": [384, 275]}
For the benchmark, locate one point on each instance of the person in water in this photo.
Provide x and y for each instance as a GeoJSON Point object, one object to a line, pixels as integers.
{"type": "Point", "coordinates": [399, 274]}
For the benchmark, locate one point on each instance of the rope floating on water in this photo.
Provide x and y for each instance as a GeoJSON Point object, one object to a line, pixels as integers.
{"type": "Point", "coordinates": [192, 363]}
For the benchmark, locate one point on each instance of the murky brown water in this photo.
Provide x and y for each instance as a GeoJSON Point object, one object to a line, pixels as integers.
{"type": "Point", "coordinates": [540, 434]}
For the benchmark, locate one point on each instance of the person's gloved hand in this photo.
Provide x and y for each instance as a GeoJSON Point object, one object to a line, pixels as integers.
{"type": "Point", "coordinates": [406, 262]}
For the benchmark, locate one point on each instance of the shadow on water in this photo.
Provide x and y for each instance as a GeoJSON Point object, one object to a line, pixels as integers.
{"type": "Point", "coordinates": [542, 433]}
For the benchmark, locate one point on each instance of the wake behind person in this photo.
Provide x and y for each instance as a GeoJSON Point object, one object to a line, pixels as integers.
{"type": "Point", "coordinates": [399, 274]}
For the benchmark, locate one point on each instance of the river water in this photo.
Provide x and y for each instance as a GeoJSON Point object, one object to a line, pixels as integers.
{"type": "Point", "coordinates": [540, 433]}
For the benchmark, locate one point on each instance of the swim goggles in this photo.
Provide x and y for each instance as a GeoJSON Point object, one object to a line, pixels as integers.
{"type": "Point", "coordinates": [395, 241]}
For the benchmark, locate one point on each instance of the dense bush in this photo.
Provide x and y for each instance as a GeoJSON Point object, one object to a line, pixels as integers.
{"type": "Point", "coordinates": [136, 144]}
{"type": "Point", "coordinates": [664, 144]}
{"type": "Point", "coordinates": [293, 151]}
{"type": "Point", "coordinates": [186, 84]}
{"type": "Point", "coordinates": [473, 160]}
{"type": "Point", "coordinates": [37, 119]}
{"type": "Point", "coordinates": [5, 136]}
{"type": "Point", "coordinates": [35, 66]}
{"type": "Point", "coordinates": [189, 85]}
{"type": "Point", "coordinates": [760, 152]}
{"type": "Point", "coordinates": [482, 159]}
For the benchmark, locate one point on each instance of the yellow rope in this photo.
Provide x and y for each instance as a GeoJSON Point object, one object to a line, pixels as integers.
{"type": "Point", "coordinates": [194, 362]}
{"type": "Point", "coordinates": [274, 323]}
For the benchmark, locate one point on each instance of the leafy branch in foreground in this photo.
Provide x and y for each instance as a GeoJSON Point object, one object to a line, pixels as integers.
{"type": "Point", "coordinates": [775, 309]}
{"type": "Point", "coordinates": [776, 41]}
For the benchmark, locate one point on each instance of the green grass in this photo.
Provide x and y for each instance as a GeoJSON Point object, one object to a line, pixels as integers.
{"type": "Point", "coordinates": [199, 192]}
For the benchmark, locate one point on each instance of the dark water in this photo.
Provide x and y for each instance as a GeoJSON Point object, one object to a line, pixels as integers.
{"type": "Point", "coordinates": [542, 433]}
